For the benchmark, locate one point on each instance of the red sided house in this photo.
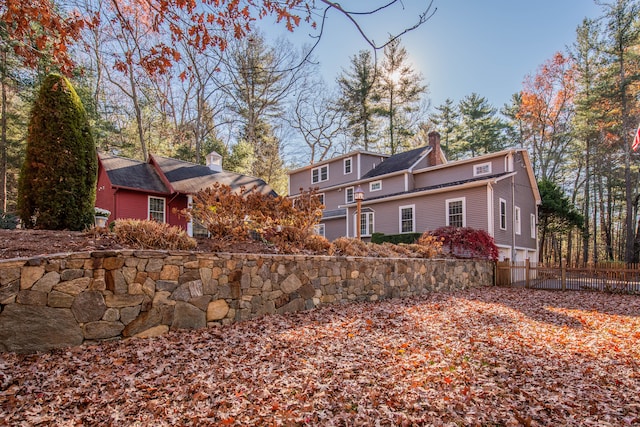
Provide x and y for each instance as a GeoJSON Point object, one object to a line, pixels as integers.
{"type": "Point", "coordinates": [418, 191]}
{"type": "Point", "coordinates": [161, 187]}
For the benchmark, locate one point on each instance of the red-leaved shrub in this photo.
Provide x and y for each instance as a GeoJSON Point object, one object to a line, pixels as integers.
{"type": "Point", "coordinates": [466, 242]}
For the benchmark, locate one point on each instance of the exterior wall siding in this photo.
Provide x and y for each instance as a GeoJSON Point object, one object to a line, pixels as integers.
{"type": "Point", "coordinates": [430, 211]}
{"type": "Point", "coordinates": [131, 204]}
{"type": "Point", "coordinates": [105, 195]}
{"type": "Point", "coordinates": [360, 163]}
{"type": "Point", "coordinates": [335, 228]}
{"type": "Point", "coordinates": [426, 178]}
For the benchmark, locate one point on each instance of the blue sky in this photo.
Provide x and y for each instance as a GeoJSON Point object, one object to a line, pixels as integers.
{"type": "Point", "coordinates": [482, 46]}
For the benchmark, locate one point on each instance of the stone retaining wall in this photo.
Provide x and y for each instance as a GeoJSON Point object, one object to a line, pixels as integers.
{"type": "Point", "coordinates": [70, 299]}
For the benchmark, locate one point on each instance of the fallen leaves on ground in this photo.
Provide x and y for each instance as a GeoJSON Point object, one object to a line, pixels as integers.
{"type": "Point", "coordinates": [490, 356]}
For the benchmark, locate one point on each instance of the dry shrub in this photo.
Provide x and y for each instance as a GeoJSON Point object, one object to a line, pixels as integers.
{"type": "Point", "coordinates": [317, 244]}
{"type": "Point", "coordinates": [428, 245]}
{"type": "Point", "coordinates": [347, 246]}
{"type": "Point", "coordinates": [424, 251]}
{"type": "Point", "coordinates": [152, 235]}
{"type": "Point", "coordinates": [244, 215]}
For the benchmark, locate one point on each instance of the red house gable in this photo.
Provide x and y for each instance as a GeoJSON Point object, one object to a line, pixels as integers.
{"type": "Point", "coordinates": [155, 190]}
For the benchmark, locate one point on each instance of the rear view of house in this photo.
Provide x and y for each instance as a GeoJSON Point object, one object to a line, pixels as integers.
{"type": "Point", "coordinates": [419, 190]}
{"type": "Point", "coordinates": [160, 188]}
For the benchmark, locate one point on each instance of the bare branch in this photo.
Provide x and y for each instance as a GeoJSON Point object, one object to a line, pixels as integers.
{"type": "Point", "coordinates": [422, 18]}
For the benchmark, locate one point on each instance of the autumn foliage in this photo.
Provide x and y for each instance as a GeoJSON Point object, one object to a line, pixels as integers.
{"type": "Point", "coordinates": [464, 242]}
{"type": "Point", "coordinates": [38, 28]}
{"type": "Point", "coordinates": [481, 357]}
{"type": "Point", "coordinates": [247, 215]}
{"type": "Point", "coordinates": [145, 234]}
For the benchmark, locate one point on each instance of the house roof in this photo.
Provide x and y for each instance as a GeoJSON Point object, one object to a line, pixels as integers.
{"type": "Point", "coordinates": [130, 173]}
{"type": "Point", "coordinates": [334, 213]}
{"type": "Point", "coordinates": [333, 159]}
{"type": "Point", "coordinates": [398, 162]}
{"type": "Point", "coordinates": [188, 178]}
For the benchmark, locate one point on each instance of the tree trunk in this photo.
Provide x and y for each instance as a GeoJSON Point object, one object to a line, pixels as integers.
{"type": "Point", "coordinates": [3, 136]}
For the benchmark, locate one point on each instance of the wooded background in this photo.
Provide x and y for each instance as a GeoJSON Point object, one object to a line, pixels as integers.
{"type": "Point", "coordinates": [183, 78]}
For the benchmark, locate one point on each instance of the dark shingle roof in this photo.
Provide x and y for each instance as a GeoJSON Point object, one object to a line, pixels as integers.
{"type": "Point", "coordinates": [334, 213]}
{"type": "Point", "coordinates": [189, 178]}
{"type": "Point", "coordinates": [123, 172]}
{"type": "Point", "coordinates": [398, 162]}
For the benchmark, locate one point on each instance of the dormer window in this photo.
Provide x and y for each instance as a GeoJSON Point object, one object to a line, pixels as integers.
{"type": "Point", "coordinates": [319, 174]}
{"type": "Point", "coordinates": [482, 169]}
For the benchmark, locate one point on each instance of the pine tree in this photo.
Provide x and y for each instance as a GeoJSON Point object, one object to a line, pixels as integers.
{"type": "Point", "coordinates": [480, 129]}
{"type": "Point", "coordinates": [399, 92]}
{"type": "Point", "coordinates": [58, 180]}
{"type": "Point", "coordinates": [357, 99]}
{"type": "Point", "coordinates": [446, 123]}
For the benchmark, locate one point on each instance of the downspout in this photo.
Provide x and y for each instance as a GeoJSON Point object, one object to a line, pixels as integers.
{"type": "Point", "coordinates": [347, 221]}
{"type": "Point", "coordinates": [513, 218]}
{"type": "Point", "coordinates": [115, 204]}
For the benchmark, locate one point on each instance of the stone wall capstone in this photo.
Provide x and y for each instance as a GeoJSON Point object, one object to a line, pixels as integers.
{"type": "Point", "coordinates": [70, 299]}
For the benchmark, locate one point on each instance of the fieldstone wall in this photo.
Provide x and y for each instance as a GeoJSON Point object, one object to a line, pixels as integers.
{"type": "Point", "coordinates": [70, 299]}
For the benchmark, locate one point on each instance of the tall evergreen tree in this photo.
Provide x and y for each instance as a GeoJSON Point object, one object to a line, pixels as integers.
{"type": "Point", "coordinates": [586, 56]}
{"type": "Point", "coordinates": [445, 122]}
{"type": "Point", "coordinates": [357, 86]}
{"type": "Point", "coordinates": [480, 129]}
{"type": "Point", "coordinates": [399, 92]}
{"type": "Point", "coordinates": [58, 179]}
{"type": "Point", "coordinates": [622, 27]}
{"type": "Point", "coordinates": [260, 80]}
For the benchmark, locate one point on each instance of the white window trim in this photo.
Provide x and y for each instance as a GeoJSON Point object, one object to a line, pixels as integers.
{"type": "Point", "coordinates": [319, 230]}
{"type": "Point", "coordinates": [319, 169]}
{"type": "Point", "coordinates": [372, 183]}
{"type": "Point", "coordinates": [346, 194]}
{"type": "Point", "coordinates": [369, 224]}
{"type": "Point", "coordinates": [344, 163]}
{"type": "Point", "coordinates": [464, 210]}
{"type": "Point", "coordinates": [164, 207]}
{"type": "Point", "coordinates": [413, 218]}
{"type": "Point", "coordinates": [502, 214]}
{"type": "Point", "coordinates": [321, 195]}
{"type": "Point", "coordinates": [533, 225]}
{"type": "Point", "coordinates": [481, 165]}
{"type": "Point", "coordinates": [517, 220]}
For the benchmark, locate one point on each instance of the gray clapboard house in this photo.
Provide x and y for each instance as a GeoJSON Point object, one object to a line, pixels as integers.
{"type": "Point", "coordinates": [419, 190]}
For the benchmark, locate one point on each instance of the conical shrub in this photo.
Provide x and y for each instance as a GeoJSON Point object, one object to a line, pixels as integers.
{"type": "Point", "coordinates": [57, 186]}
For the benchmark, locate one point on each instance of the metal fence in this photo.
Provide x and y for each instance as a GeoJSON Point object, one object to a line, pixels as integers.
{"type": "Point", "coordinates": [604, 277]}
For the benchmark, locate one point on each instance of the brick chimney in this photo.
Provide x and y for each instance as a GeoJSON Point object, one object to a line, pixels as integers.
{"type": "Point", "coordinates": [435, 156]}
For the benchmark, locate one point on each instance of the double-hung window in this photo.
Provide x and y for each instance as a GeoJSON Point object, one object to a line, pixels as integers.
{"type": "Point", "coordinates": [319, 174]}
{"type": "Point", "coordinates": [348, 195]}
{"type": "Point", "coordinates": [533, 226]}
{"type": "Point", "coordinates": [348, 165]}
{"type": "Point", "coordinates": [503, 214]}
{"type": "Point", "coordinates": [157, 208]}
{"type": "Point", "coordinates": [455, 213]}
{"type": "Point", "coordinates": [407, 219]}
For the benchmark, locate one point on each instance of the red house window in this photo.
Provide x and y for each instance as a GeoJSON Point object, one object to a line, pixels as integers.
{"type": "Point", "coordinates": [156, 208]}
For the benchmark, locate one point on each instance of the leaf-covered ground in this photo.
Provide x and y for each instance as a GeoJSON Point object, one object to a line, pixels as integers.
{"type": "Point", "coordinates": [487, 357]}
